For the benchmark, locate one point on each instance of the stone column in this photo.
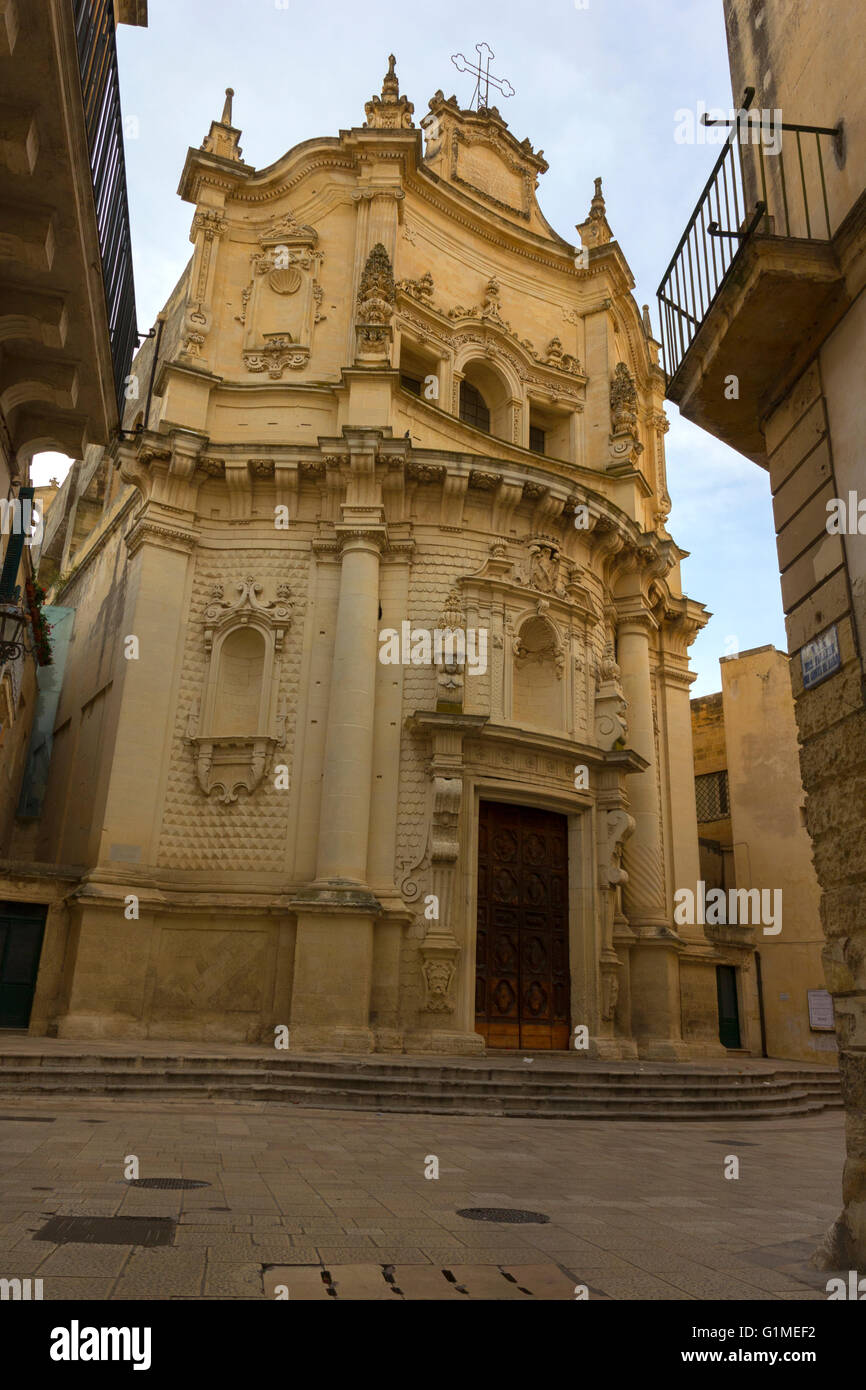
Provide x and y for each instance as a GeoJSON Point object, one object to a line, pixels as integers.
{"type": "Point", "coordinates": [344, 824]}
{"type": "Point", "coordinates": [654, 972]}
{"type": "Point", "coordinates": [384, 804]}
{"type": "Point", "coordinates": [644, 892]}
{"type": "Point", "coordinates": [333, 973]}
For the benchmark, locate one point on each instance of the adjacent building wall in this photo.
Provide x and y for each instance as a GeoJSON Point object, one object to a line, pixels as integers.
{"type": "Point", "coordinates": [771, 844]}
{"type": "Point", "coordinates": [808, 63]}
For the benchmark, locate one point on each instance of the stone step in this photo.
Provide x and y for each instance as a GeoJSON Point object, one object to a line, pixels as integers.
{"type": "Point", "coordinates": [578, 1102]}
{"type": "Point", "coordinates": [468, 1081]}
{"type": "Point", "coordinates": [618, 1075]}
{"type": "Point", "coordinates": [567, 1088]}
{"type": "Point", "coordinates": [411, 1105]}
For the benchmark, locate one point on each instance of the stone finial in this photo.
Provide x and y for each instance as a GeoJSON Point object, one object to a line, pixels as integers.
{"type": "Point", "coordinates": [375, 309]}
{"type": "Point", "coordinates": [222, 138]}
{"type": "Point", "coordinates": [595, 231]}
{"type": "Point", "coordinates": [452, 615]}
{"type": "Point", "coordinates": [376, 291]}
{"type": "Point", "coordinates": [623, 400]}
{"type": "Point", "coordinates": [653, 344]}
{"type": "Point", "coordinates": [390, 111]}
{"type": "Point", "coordinates": [390, 84]}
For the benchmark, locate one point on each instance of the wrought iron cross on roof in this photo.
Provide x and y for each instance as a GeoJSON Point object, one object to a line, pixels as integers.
{"type": "Point", "coordinates": [484, 79]}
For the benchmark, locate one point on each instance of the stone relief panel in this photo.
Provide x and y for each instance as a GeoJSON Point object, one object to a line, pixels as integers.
{"type": "Point", "coordinates": [427, 980]}
{"type": "Point", "coordinates": [282, 300]}
{"type": "Point", "coordinates": [433, 577]}
{"type": "Point", "coordinates": [202, 970]}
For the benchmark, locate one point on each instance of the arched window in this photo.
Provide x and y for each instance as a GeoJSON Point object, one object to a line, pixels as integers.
{"type": "Point", "coordinates": [473, 408]}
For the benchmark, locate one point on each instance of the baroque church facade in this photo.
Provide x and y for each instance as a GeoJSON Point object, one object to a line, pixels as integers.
{"type": "Point", "coordinates": [375, 720]}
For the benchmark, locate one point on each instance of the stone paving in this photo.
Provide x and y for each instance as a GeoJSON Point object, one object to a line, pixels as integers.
{"type": "Point", "coordinates": [312, 1204]}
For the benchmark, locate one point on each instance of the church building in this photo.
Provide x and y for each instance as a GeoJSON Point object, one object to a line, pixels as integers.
{"type": "Point", "coordinates": [374, 722]}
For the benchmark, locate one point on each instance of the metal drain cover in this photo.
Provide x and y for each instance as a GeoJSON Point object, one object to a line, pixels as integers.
{"type": "Point", "coordinates": [108, 1230]}
{"type": "Point", "coordinates": [175, 1184]}
{"type": "Point", "coordinates": [511, 1216]}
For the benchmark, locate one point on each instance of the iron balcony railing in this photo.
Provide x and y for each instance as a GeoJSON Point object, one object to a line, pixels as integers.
{"type": "Point", "coordinates": [100, 89]}
{"type": "Point", "coordinates": [741, 199]}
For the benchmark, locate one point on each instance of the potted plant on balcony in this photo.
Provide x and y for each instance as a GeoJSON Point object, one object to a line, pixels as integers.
{"type": "Point", "coordinates": [40, 626]}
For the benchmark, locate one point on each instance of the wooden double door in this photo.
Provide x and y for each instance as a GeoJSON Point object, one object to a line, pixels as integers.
{"type": "Point", "coordinates": [521, 959]}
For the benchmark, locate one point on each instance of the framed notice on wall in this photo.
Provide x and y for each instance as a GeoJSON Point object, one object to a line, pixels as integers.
{"type": "Point", "coordinates": [821, 1016]}
{"type": "Point", "coordinates": [820, 658]}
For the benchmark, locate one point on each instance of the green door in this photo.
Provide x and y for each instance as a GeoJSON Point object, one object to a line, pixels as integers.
{"type": "Point", "coordinates": [729, 1014]}
{"type": "Point", "coordinates": [20, 944]}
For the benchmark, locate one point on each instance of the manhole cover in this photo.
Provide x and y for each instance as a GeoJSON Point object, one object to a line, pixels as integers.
{"type": "Point", "coordinates": [512, 1216]}
{"type": "Point", "coordinates": [176, 1184]}
{"type": "Point", "coordinates": [108, 1230]}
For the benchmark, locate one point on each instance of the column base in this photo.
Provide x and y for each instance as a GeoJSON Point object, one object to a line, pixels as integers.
{"type": "Point", "coordinates": [610, 1050]}
{"type": "Point", "coordinates": [333, 976]}
{"type": "Point", "coordinates": [457, 1044]}
{"type": "Point", "coordinates": [308, 1038]}
{"type": "Point", "coordinates": [387, 1040]}
{"type": "Point", "coordinates": [663, 1050]}
{"type": "Point", "coordinates": [96, 1026]}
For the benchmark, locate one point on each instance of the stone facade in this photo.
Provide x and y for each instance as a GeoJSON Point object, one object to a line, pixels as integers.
{"type": "Point", "coordinates": [270, 821]}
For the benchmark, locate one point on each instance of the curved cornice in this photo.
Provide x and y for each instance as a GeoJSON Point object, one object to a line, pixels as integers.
{"type": "Point", "coordinates": [449, 327]}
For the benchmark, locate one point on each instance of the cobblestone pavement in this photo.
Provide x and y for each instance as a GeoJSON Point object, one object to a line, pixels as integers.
{"type": "Point", "coordinates": [315, 1204]}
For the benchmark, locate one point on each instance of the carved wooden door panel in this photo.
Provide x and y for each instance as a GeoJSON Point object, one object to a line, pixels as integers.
{"type": "Point", "coordinates": [521, 959]}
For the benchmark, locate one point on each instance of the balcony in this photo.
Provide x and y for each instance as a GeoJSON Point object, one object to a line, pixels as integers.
{"type": "Point", "coordinates": [97, 61]}
{"type": "Point", "coordinates": [755, 282]}
{"type": "Point", "coordinates": [67, 304]}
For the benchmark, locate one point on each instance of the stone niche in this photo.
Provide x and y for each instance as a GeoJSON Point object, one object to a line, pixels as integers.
{"type": "Point", "coordinates": [539, 659]}
{"type": "Point", "coordinates": [236, 725]}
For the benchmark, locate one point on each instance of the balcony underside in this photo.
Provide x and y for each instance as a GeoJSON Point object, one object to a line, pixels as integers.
{"type": "Point", "coordinates": [780, 300]}
{"type": "Point", "coordinates": [56, 375]}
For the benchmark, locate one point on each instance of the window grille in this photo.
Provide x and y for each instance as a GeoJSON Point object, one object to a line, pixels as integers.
{"type": "Point", "coordinates": [711, 795]}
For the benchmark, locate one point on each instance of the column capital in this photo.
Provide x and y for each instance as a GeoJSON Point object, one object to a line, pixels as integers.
{"type": "Point", "coordinates": [151, 529]}
{"type": "Point", "coordinates": [632, 614]}
{"type": "Point", "coordinates": [353, 537]}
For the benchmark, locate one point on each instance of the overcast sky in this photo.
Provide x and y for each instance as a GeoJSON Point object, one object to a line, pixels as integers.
{"type": "Point", "coordinates": [597, 86]}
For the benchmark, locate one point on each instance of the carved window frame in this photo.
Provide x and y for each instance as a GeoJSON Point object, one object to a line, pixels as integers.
{"type": "Point", "coordinates": [227, 763]}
